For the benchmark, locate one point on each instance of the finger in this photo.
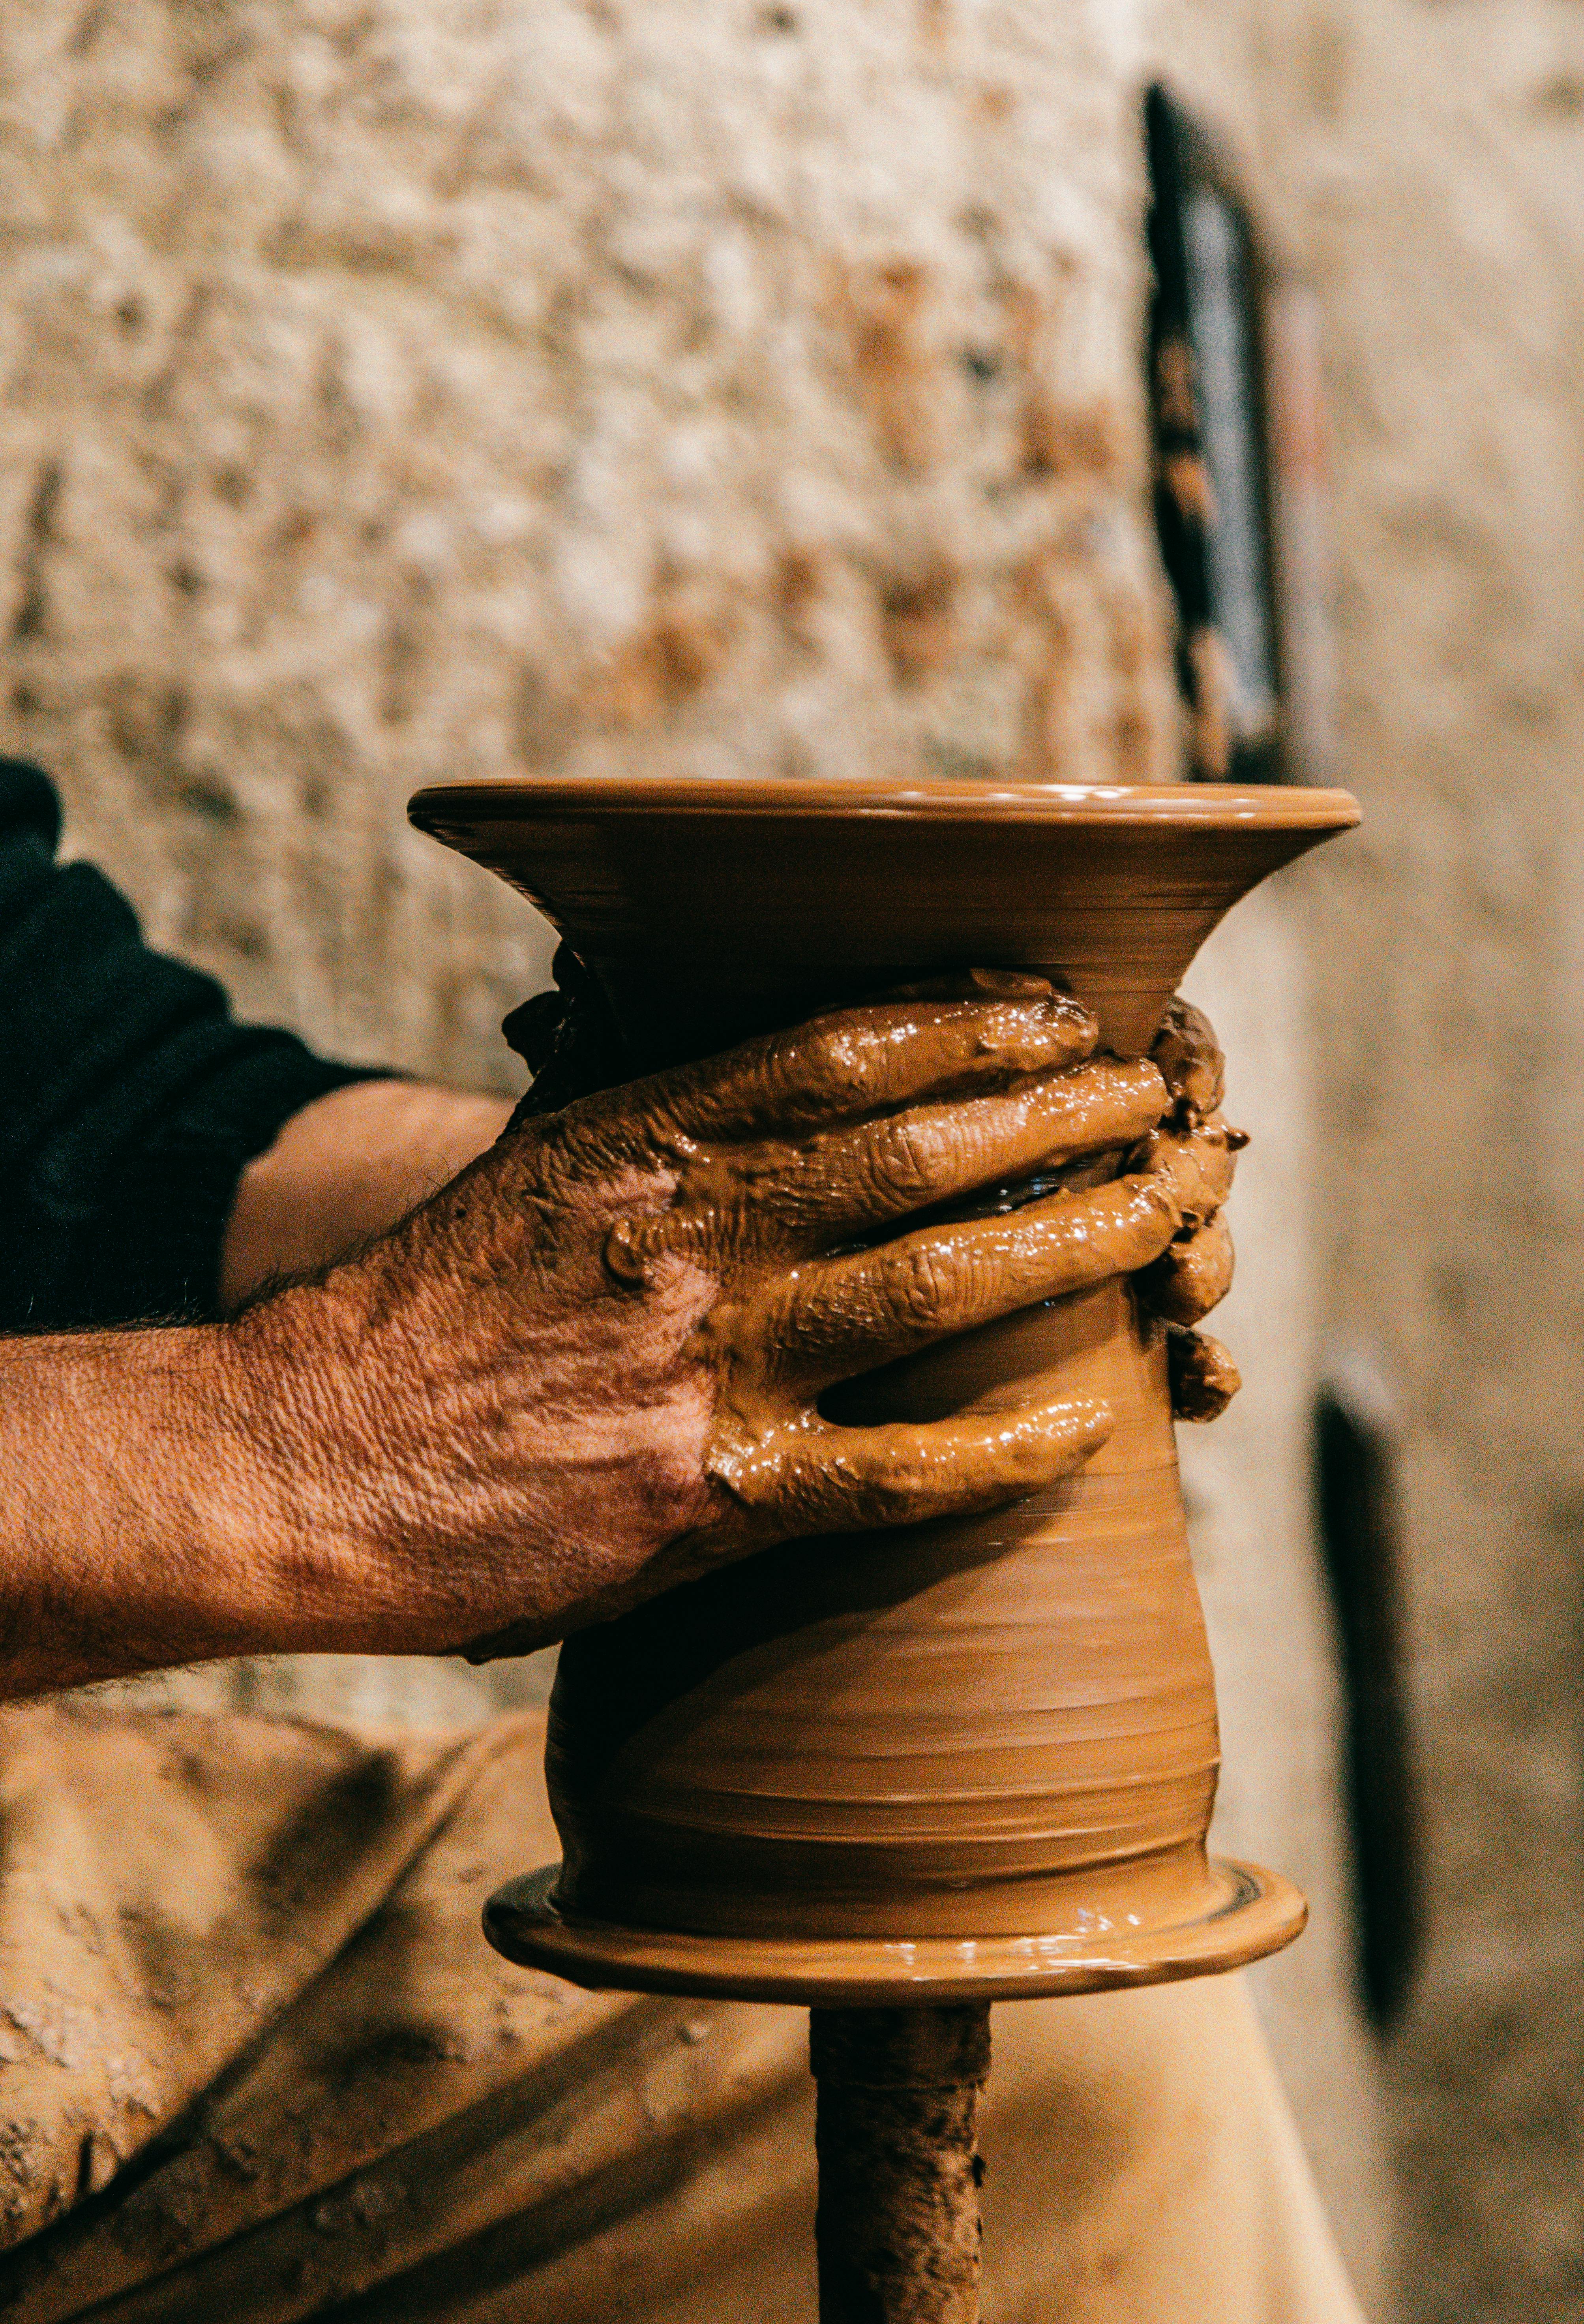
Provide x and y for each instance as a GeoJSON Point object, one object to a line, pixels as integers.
{"type": "Point", "coordinates": [1196, 1163]}
{"type": "Point", "coordinates": [1190, 1058]}
{"type": "Point", "coordinates": [1203, 1378]}
{"type": "Point", "coordinates": [1192, 1276]}
{"type": "Point", "coordinates": [861, 1060]}
{"type": "Point", "coordinates": [818, 1479]}
{"type": "Point", "coordinates": [835, 1187]}
{"type": "Point", "coordinates": [846, 1315]}
{"type": "Point", "coordinates": [968, 985]}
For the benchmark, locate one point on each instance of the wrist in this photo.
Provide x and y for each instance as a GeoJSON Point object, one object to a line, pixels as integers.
{"type": "Point", "coordinates": [136, 1508]}
{"type": "Point", "coordinates": [362, 1534]}
{"type": "Point", "coordinates": [295, 1376]}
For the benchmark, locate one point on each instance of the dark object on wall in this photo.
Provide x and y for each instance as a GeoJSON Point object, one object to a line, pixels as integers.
{"type": "Point", "coordinates": [1356, 1496]}
{"type": "Point", "coordinates": [1211, 459]}
{"type": "Point", "coordinates": [1234, 381]}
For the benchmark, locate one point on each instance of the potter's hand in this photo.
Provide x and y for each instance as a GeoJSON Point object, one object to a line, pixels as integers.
{"type": "Point", "coordinates": [1192, 1149]}
{"type": "Point", "coordinates": [590, 1368]}
{"type": "Point", "coordinates": [592, 1364]}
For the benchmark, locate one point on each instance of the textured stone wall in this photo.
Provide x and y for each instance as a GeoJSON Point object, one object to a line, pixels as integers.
{"type": "Point", "coordinates": [395, 388]}
{"type": "Point", "coordinates": [1426, 164]}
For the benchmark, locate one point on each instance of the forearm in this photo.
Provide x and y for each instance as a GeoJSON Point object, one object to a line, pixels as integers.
{"type": "Point", "coordinates": [158, 1506]}
{"type": "Point", "coordinates": [345, 1169]}
{"type": "Point", "coordinates": [140, 1524]}
{"type": "Point", "coordinates": [167, 1497]}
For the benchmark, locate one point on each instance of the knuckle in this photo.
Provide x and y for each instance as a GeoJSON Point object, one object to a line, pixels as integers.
{"type": "Point", "coordinates": [812, 1494]}
{"type": "Point", "coordinates": [924, 1286]}
{"type": "Point", "coordinates": [1150, 1203]}
{"type": "Point", "coordinates": [902, 1160]}
{"type": "Point", "coordinates": [827, 1059]}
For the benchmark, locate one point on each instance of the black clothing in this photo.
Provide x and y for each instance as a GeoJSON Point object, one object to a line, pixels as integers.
{"type": "Point", "coordinates": [130, 1098]}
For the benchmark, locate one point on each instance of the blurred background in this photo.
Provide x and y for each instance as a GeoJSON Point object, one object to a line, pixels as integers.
{"type": "Point", "coordinates": [399, 389]}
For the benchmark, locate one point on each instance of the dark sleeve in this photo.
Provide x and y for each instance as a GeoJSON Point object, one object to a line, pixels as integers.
{"type": "Point", "coordinates": [130, 1098]}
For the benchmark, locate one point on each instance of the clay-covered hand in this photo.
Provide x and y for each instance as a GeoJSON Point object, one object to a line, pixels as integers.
{"type": "Point", "coordinates": [1194, 1272]}
{"type": "Point", "coordinates": [591, 1367]}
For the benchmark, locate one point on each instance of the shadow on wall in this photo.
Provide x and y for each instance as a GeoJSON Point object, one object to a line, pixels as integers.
{"type": "Point", "coordinates": [1360, 1533]}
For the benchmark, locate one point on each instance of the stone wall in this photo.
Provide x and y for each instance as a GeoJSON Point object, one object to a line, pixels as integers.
{"type": "Point", "coordinates": [1426, 165]}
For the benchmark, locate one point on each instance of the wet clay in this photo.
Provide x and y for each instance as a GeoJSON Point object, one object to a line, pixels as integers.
{"type": "Point", "coordinates": [977, 1757]}
{"type": "Point", "coordinates": [712, 908]}
{"type": "Point", "coordinates": [741, 1228]}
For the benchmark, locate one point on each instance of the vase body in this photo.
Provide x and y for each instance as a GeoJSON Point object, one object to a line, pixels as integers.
{"type": "Point", "coordinates": [977, 1754]}
{"type": "Point", "coordinates": [998, 1725]}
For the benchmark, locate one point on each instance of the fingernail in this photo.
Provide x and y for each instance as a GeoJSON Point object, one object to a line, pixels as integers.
{"type": "Point", "coordinates": [1013, 983]}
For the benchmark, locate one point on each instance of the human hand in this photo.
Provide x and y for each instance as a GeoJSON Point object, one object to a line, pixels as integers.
{"type": "Point", "coordinates": [1193, 1147]}
{"type": "Point", "coordinates": [590, 1369]}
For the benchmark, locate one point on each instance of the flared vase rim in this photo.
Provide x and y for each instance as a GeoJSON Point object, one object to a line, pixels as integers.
{"type": "Point", "coordinates": [1178, 806]}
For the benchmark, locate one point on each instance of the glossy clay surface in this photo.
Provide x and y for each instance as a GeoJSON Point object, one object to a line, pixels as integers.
{"type": "Point", "coordinates": [978, 1756]}
{"type": "Point", "coordinates": [715, 892]}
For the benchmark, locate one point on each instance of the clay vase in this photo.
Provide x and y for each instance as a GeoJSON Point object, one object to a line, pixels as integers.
{"type": "Point", "coordinates": [968, 1761]}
